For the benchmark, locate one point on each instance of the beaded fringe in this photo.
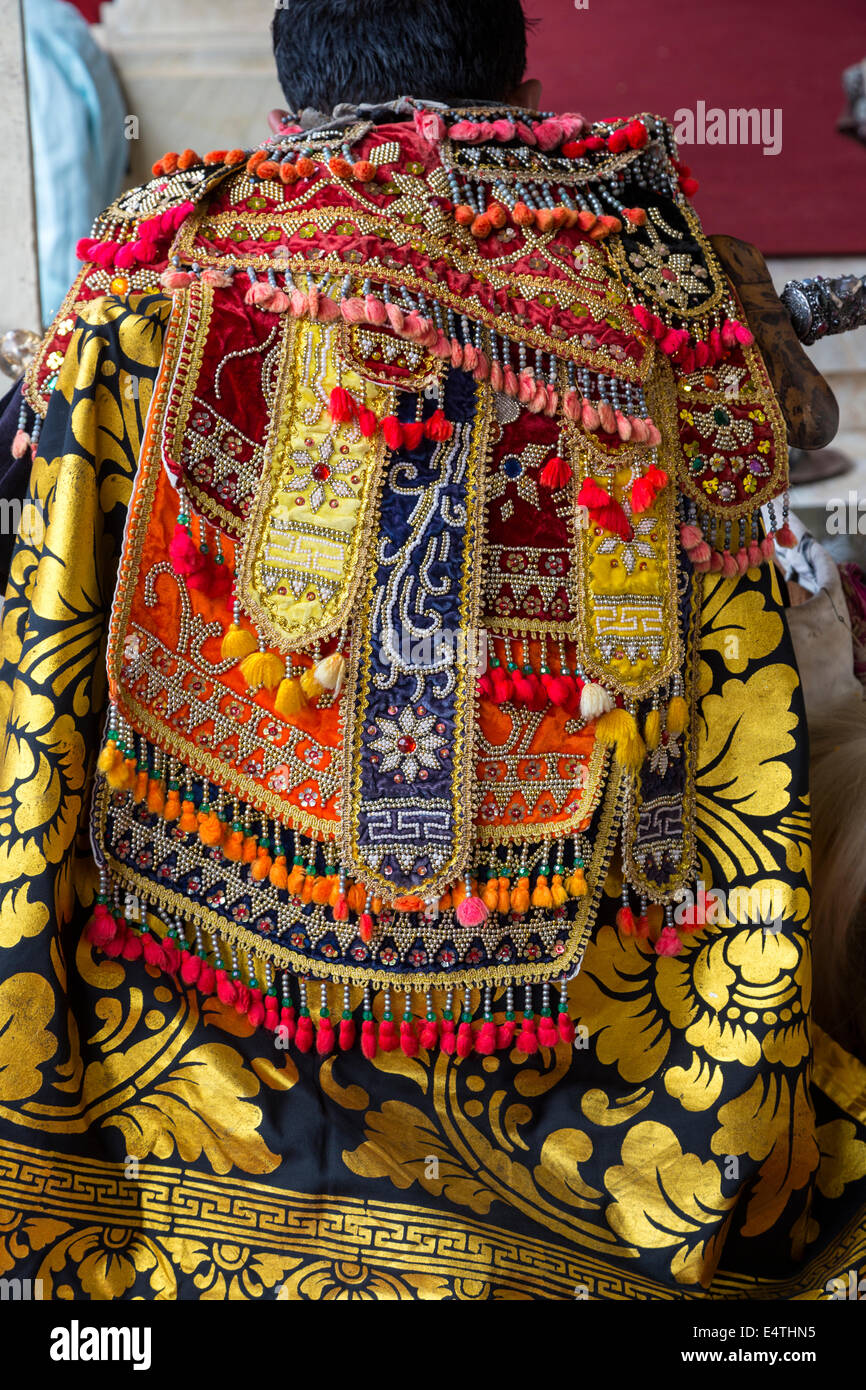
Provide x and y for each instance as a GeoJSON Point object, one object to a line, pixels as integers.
{"type": "Point", "coordinates": [280, 1002]}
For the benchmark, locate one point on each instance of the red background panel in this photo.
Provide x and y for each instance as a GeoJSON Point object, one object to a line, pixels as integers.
{"type": "Point", "coordinates": [618, 57]}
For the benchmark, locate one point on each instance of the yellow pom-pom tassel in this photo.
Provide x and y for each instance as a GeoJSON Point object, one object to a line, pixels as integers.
{"type": "Point", "coordinates": [503, 901]}
{"type": "Point", "coordinates": [652, 729]}
{"type": "Point", "coordinates": [322, 889]}
{"type": "Point", "coordinates": [261, 865]}
{"type": "Point", "coordinates": [155, 797]}
{"type": "Point", "coordinates": [263, 669]}
{"type": "Point", "coordinates": [121, 774]}
{"type": "Point", "coordinates": [618, 730]}
{"type": "Point", "coordinates": [520, 897]}
{"type": "Point", "coordinates": [172, 805]}
{"type": "Point", "coordinates": [234, 846]}
{"type": "Point", "coordinates": [211, 830]}
{"type": "Point", "coordinates": [490, 896]}
{"type": "Point", "coordinates": [678, 715]}
{"type": "Point", "coordinates": [331, 672]}
{"type": "Point", "coordinates": [295, 881]}
{"type": "Point", "coordinates": [290, 698]}
{"type": "Point", "coordinates": [250, 850]}
{"type": "Point", "coordinates": [188, 817]}
{"type": "Point", "coordinates": [140, 788]}
{"type": "Point", "coordinates": [310, 686]}
{"type": "Point", "coordinates": [108, 757]}
{"type": "Point", "coordinates": [558, 891]}
{"type": "Point", "coordinates": [541, 895]}
{"type": "Point", "coordinates": [237, 643]}
{"type": "Point", "coordinates": [357, 897]}
{"type": "Point", "coordinates": [279, 874]}
{"type": "Point", "coordinates": [575, 884]}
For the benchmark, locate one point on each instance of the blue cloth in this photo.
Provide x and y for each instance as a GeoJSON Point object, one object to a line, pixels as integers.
{"type": "Point", "coordinates": [77, 115]}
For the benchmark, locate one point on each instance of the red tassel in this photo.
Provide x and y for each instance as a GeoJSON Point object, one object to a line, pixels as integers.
{"type": "Point", "coordinates": [642, 494]}
{"type": "Point", "coordinates": [485, 1039]}
{"type": "Point", "coordinates": [505, 1034]}
{"type": "Point", "coordinates": [566, 1029]}
{"type": "Point", "coordinates": [325, 1036]}
{"type": "Point", "coordinates": [272, 1013]}
{"type": "Point", "coordinates": [429, 1034]}
{"type": "Point", "coordinates": [465, 1039]}
{"type": "Point", "coordinates": [190, 968]}
{"type": "Point", "coordinates": [558, 689]}
{"type": "Point", "coordinates": [132, 947]}
{"type": "Point", "coordinates": [256, 1010]}
{"type": "Point", "coordinates": [153, 952]}
{"type": "Point", "coordinates": [287, 1020]}
{"type": "Point", "coordinates": [548, 1033]}
{"type": "Point", "coordinates": [625, 921]}
{"type": "Point", "coordinates": [226, 991]}
{"type": "Point", "coordinates": [437, 427]}
{"type": "Point", "coordinates": [413, 433]}
{"type": "Point", "coordinates": [367, 422]}
{"type": "Point", "coordinates": [408, 1038]}
{"type": "Point", "coordinates": [785, 537]}
{"type": "Point", "coordinates": [527, 1040]}
{"type": "Point", "coordinates": [304, 1033]}
{"type": "Point", "coordinates": [342, 406]}
{"type": "Point", "coordinates": [184, 553]}
{"type": "Point", "coordinates": [102, 927]}
{"type": "Point", "coordinates": [206, 981]}
{"type": "Point", "coordinates": [347, 1034]}
{"type": "Point", "coordinates": [172, 955]}
{"type": "Point", "coordinates": [114, 947]}
{"type": "Point", "coordinates": [555, 473]}
{"type": "Point", "coordinates": [365, 927]}
{"type": "Point", "coordinates": [388, 1035]}
{"type": "Point", "coordinates": [392, 432]}
{"type": "Point", "coordinates": [501, 685]}
{"type": "Point", "coordinates": [604, 509]}
{"type": "Point", "coordinates": [448, 1037]}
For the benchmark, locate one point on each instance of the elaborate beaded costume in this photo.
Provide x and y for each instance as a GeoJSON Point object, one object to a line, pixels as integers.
{"type": "Point", "coordinates": [455, 409]}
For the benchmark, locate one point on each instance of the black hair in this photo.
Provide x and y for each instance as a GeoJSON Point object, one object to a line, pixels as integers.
{"type": "Point", "coordinates": [330, 51]}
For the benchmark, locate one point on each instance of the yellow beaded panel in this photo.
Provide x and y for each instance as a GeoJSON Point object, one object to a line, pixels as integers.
{"type": "Point", "coordinates": [627, 628]}
{"type": "Point", "coordinates": [312, 518]}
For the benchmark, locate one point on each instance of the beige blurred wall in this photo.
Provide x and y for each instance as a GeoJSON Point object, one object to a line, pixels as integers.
{"type": "Point", "coordinates": [197, 74]}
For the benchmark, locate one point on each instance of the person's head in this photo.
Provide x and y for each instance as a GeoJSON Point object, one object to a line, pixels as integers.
{"type": "Point", "coordinates": [331, 51]}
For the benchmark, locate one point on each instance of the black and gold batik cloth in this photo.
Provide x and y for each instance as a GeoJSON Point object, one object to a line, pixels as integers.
{"type": "Point", "coordinates": [600, 1074]}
